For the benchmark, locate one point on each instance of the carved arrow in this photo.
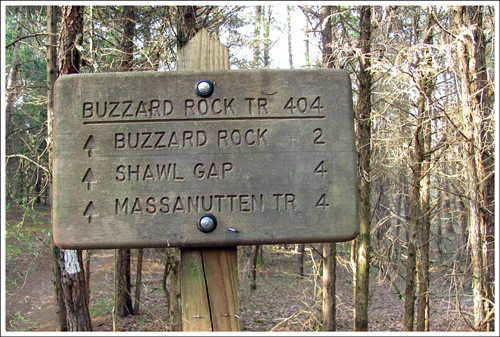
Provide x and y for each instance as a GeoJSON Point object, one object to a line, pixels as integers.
{"type": "Point", "coordinates": [90, 145]}
{"type": "Point", "coordinates": [89, 178]}
{"type": "Point", "coordinates": [90, 211]}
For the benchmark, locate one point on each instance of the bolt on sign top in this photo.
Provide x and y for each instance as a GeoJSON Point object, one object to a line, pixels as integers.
{"type": "Point", "coordinates": [203, 158]}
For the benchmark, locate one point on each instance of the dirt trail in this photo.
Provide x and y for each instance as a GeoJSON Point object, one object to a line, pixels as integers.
{"type": "Point", "coordinates": [283, 301]}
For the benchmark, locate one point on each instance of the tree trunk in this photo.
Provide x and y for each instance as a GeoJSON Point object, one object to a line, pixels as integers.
{"type": "Point", "coordinates": [289, 34]}
{"type": "Point", "coordinates": [329, 248]}
{"type": "Point", "coordinates": [413, 226]}
{"type": "Point", "coordinates": [329, 286]}
{"type": "Point", "coordinates": [478, 157]}
{"type": "Point", "coordinates": [300, 258]}
{"type": "Point", "coordinates": [51, 78]}
{"type": "Point", "coordinates": [363, 140]}
{"type": "Point", "coordinates": [256, 37]}
{"type": "Point", "coordinates": [138, 281]}
{"type": "Point", "coordinates": [266, 25]}
{"type": "Point", "coordinates": [185, 23]}
{"type": "Point", "coordinates": [12, 78]}
{"type": "Point", "coordinates": [424, 112]}
{"type": "Point", "coordinates": [254, 258]}
{"type": "Point", "coordinates": [485, 161]}
{"type": "Point", "coordinates": [306, 42]}
{"type": "Point", "coordinates": [61, 324]}
{"type": "Point", "coordinates": [74, 288]}
{"type": "Point", "coordinates": [123, 287]}
{"type": "Point", "coordinates": [70, 262]}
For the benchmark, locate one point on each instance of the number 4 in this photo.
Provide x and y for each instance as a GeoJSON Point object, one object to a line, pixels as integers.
{"type": "Point", "coordinates": [322, 202]}
{"type": "Point", "coordinates": [320, 169]}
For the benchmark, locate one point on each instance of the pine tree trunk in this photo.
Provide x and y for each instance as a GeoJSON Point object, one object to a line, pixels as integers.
{"type": "Point", "coordinates": [61, 324]}
{"type": "Point", "coordinates": [255, 255]}
{"type": "Point", "coordinates": [424, 112]}
{"type": "Point", "coordinates": [138, 281]}
{"type": "Point", "coordinates": [123, 284]}
{"type": "Point", "coordinates": [256, 37]}
{"type": "Point", "coordinates": [70, 262]}
{"type": "Point", "coordinates": [289, 35]}
{"type": "Point", "coordinates": [300, 258]}
{"type": "Point", "coordinates": [51, 78]}
{"type": "Point", "coordinates": [329, 286]}
{"type": "Point", "coordinates": [413, 226]}
{"type": "Point", "coordinates": [12, 78]}
{"type": "Point", "coordinates": [363, 140]}
{"type": "Point", "coordinates": [76, 299]}
{"type": "Point", "coordinates": [478, 158]}
{"type": "Point", "coordinates": [266, 26]}
{"type": "Point", "coordinates": [123, 287]}
{"type": "Point", "coordinates": [329, 248]}
{"type": "Point", "coordinates": [185, 24]}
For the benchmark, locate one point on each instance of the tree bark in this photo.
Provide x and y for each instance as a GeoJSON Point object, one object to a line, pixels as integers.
{"type": "Point", "coordinates": [123, 287]}
{"type": "Point", "coordinates": [363, 140]}
{"type": "Point", "coordinates": [480, 175]}
{"type": "Point", "coordinates": [266, 26]}
{"type": "Point", "coordinates": [289, 34]}
{"type": "Point", "coordinates": [74, 290]}
{"type": "Point", "coordinates": [185, 23]}
{"type": "Point", "coordinates": [51, 78]}
{"type": "Point", "coordinates": [329, 286]}
{"type": "Point", "coordinates": [329, 248]}
{"type": "Point", "coordinates": [254, 257]}
{"type": "Point", "coordinates": [138, 281]}
{"type": "Point", "coordinates": [426, 87]}
{"type": "Point", "coordinates": [300, 258]}
{"type": "Point", "coordinates": [123, 284]}
{"type": "Point", "coordinates": [256, 37]}
{"type": "Point", "coordinates": [12, 78]}
{"type": "Point", "coordinates": [61, 324]}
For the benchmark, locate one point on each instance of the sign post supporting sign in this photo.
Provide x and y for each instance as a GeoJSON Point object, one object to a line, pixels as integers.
{"type": "Point", "coordinates": [209, 276]}
{"type": "Point", "coordinates": [204, 157]}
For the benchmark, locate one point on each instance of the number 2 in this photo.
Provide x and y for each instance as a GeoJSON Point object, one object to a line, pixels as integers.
{"type": "Point", "coordinates": [319, 134]}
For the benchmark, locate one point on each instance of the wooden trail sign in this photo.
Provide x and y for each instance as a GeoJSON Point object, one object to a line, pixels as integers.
{"type": "Point", "coordinates": [139, 157]}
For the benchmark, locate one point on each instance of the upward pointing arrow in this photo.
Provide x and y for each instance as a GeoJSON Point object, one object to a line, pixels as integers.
{"type": "Point", "coordinates": [90, 211]}
{"type": "Point", "coordinates": [90, 145]}
{"type": "Point", "coordinates": [89, 178]}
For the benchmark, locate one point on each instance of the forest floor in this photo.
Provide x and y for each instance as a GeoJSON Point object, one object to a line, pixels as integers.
{"type": "Point", "coordinates": [283, 301]}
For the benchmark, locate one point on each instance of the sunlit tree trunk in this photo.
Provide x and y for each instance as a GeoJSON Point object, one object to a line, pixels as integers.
{"type": "Point", "coordinates": [289, 34]}
{"type": "Point", "coordinates": [266, 27]}
{"type": "Point", "coordinates": [256, 37]}
{"type": "Point", "coordinates": [329, 248]}
{"type": "Point", "coordinates": [480, 179]}
{"type": "Point", "coordinates": [363, 142]}
{"type": "Point", "coordinates": [424, 112]}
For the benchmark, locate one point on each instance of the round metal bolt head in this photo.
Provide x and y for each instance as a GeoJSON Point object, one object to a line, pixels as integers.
{"type": "Point", "coordinates": [207, 223]}
{"type": "Point", "coordinates": [204, 88]}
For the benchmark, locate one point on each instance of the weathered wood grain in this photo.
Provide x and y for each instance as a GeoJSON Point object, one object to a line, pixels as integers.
{"type": "Point", "coordinates": [210, 298]}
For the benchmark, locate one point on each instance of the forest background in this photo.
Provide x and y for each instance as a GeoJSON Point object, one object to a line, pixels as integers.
{"type": "Point", "coordinates": [425, 104]}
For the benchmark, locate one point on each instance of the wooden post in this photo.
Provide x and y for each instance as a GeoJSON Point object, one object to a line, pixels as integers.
{"type": "Point", "coordinates": [209, 276]}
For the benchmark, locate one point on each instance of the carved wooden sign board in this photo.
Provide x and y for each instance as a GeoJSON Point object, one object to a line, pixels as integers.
{"type": "Point", "coordinates": [140, 158]}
